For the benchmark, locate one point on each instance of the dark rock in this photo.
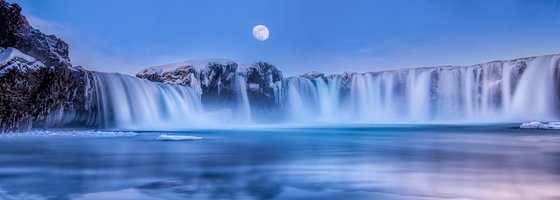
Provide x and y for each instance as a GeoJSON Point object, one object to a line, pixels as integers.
{"type": "Point", "coordinates": [16, 32]}
{"type": "Point", "coordinates": [33, 95]}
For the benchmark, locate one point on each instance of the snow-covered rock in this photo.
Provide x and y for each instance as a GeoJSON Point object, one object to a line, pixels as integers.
{"type": "Point", "coordinates": [313, 75]}
{"type": "Point", "coordinates": [32, 94]}
{"type": "Point", "coordinates": [539, 125]}
{"type": "Point", "coordinates": [37, 83]}
{"type": "Point", "coordinates": [217, 82]}
{"type": "Point", "coordinates": [10, 53]}
{"type": "Point", "coordinates": [13, 59]}
{"type": "Point", "coordinates": [16, 32]}
{"type": "Point", "coordinates": [197, 64]}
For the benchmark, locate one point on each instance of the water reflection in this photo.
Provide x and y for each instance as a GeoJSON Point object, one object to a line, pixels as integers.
{"type": "Point", "coordinates": [332, 163]}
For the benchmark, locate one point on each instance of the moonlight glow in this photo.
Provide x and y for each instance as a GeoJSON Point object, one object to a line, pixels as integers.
{"type": "Point", "coordinates": [260, 32]}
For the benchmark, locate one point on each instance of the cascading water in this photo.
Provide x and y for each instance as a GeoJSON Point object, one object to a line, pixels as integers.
{"type": "Point", "coordinates": [130, 103]}
{"type": "Point", "coordinates": [501, 91]}
{"type": "Point", "coordinates": [244, 107]}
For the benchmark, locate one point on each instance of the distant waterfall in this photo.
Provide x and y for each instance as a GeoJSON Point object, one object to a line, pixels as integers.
{"type": "Point", "coordinates": [127, 102]}
{"type": "Point", "coordinates": [501, 91]}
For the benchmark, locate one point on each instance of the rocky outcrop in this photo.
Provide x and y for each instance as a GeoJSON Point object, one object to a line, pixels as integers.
{"type": "Point", "coordinates": [16, 32]}
{"type": "Point", "coordinates": [264, 82]}
{"type": "Point", "coordinates": [32, 94]}
{"type": "Point", "coordinates": [219, 82]}
{"type": "Point", "coordinates": [38, 86]}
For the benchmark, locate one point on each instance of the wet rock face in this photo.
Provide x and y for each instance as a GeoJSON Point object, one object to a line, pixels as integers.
{"type": "Point", "coordinates": [217, 83]}
{"type": "Point", "coordinates": [16, 32]}
{"type": "Point", "coordinates": [38, 86]}
{"type": "Point", "coordinates": [38, 97]}
{"type": "Point", "coordinates": [263, 82]}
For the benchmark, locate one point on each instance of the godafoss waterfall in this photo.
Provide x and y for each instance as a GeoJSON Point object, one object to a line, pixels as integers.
{"type": "Point", "coordinates": [217, 129]}
{"type": "Point", "coordinates": [219, 93]}
{"type": "Point", "coordinates": [215, 93]}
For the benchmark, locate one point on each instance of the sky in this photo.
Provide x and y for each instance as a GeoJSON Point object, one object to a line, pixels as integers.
{"type": "Point", "coordinates": [331, 36]}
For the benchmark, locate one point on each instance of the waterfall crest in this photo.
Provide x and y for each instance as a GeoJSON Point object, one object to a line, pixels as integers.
{"type": "Point", "coordinates": [500, 91]}
{"type": "Point", "coordinates": [127, 102]}
{"type": "Point", "coordinates": [519, 90]}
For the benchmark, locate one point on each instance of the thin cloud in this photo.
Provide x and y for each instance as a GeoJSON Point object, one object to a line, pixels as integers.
{"type": "Point", "coordinates": [90, 52]}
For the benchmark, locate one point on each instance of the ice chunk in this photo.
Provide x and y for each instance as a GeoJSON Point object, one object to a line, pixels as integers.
{"type": "Point", "coordinates": [530, 125]}
{"type": "Point", "coordinates": [550, 125]}
{"type": "Point", "coordinates": [177, 137]}
{"type": "Point", "coordinates": [539, 125]}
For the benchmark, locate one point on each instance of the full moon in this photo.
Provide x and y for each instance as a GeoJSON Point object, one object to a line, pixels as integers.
{"type": "Point", "coordinates": [260, 32]}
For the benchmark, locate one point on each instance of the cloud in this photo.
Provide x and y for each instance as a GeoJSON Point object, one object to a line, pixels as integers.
{"type": "Point", "coordinates": [91, 52]}
{"type": "Point", "coordinates": [47, 27]}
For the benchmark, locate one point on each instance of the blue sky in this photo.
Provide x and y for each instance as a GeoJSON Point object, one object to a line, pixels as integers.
{"type": "Point", "coordinates": [331, 36]}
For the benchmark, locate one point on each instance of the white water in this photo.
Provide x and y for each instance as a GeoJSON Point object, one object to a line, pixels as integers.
{"type": "Point", "coordinates": [502, 91]}
{"type": "Point", "coordinates": [127, 102]}
{"type": "Point", "coordinates": [244, 108]}
{"type": "Point", "coordinates": [492, 92]}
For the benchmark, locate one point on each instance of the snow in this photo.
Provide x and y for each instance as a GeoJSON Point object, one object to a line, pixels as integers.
{"type": "Point", "coordinates": [17, 60]}
{"type": "Point", "coordinates": [198, 64]}
{"type": "Point", "coordinates": [254, 86]}
{"type": "Point", "coordinates": [166, 137]}
{"type": "Point", "coordinates": [539, 125]}
{"type": "Point", "coordinates": [8, 54]}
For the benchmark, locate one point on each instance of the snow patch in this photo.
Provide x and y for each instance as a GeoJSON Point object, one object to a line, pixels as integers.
{"type": "Point", "coordinates": [8, 54]}
{"type": "Point", "coordinates": [539, 125]}
{"type": "Point", "coordinates": [198, 64]}
{"type": "Point", "coordinates": [17, 60]}
{"type": "Point", "coordinates": [254, 86]}
{"type": "Point", "coordinates": [166, 137]}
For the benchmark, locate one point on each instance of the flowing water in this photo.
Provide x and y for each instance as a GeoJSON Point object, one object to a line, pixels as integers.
{"type": "Point", "coordinates": [336, 162]}
{"type": "Point", "coordinates": [500, 91]}
{"type": "Point", "coordinates": [337, 159]}
{"type": "Point", "coordinates": [497, 92]}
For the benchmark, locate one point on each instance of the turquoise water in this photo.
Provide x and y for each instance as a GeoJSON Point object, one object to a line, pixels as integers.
{"type": "Point", "coordinates": [359, 162]}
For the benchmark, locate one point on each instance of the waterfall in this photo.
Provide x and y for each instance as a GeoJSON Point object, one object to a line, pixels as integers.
{"type": "Point", "coordinates": [243, 106]}
{"type": "Point", "coordinates": [500, 91]}
{"type": "Point", "coordinates": [525, 89]}
{"type": "Point", "coordinates": [130, 103]}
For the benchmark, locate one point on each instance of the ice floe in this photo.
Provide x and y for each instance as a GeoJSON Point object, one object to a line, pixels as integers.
{"type": "Point", "coordinates": [540, 125]}
{"type": "Point", "coordinates": [166, 137]}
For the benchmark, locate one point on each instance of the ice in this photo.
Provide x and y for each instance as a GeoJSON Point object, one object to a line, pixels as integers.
{"type": "Point", "coordinates": [539, 125]}
{"type": "Point", "coordinates": [166, 137]}
{"type": "Point", "coordinates": [530, 125]}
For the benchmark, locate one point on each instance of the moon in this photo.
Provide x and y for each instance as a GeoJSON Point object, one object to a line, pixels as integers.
{"type": "Point", "coordinates": [260, 32]}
